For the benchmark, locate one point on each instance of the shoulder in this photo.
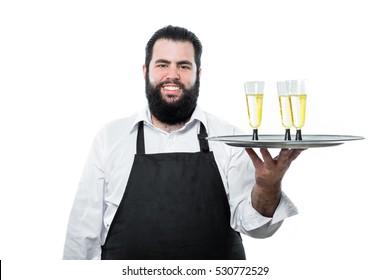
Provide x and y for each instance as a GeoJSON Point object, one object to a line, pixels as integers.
{"type": "Point", "coordinates": [117, 129]}
{"type": "Point", "coordinates": [122, 124]}
{"type": "Point", "coordinates": [217, 126]}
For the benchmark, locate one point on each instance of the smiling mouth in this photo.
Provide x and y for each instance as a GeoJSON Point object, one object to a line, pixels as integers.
{"type": "Point", "coordinates": [171, 92]}
{"type": "Point", "coordinates": [171, 88]}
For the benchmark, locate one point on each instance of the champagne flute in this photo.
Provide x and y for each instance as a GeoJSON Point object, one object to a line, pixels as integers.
{"type": "Point", "coordinates": [285, 107]}
{"type": "Point", "coordinates": [298, 94]}
{"type": "Point", "coordinates": [254, 91]}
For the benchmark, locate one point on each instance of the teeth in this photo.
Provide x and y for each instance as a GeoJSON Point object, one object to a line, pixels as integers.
{"type": "Point", "coordinates": [171, 88]}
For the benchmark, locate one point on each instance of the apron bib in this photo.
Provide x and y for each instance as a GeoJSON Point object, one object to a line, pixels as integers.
{"type": "Point", "coordinates": [174, 207]}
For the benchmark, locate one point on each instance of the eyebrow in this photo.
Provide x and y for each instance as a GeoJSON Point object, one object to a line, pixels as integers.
{"type": "Point", "coordinates": [184, 62]}
{"type": "Point", "coordinates": [181, 62]}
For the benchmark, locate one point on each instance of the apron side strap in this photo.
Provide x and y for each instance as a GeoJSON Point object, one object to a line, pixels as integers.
{"type": "Point", "coordinates": [203, 143]}
{"type": "Point", "coordinates": [140, 139]}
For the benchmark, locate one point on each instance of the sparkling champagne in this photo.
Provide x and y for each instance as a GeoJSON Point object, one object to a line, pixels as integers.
{"type": "Point", "coordinates": [254, 104]}
{"type": "Point", "coordinates": [285, 110]}
{"type": "Point", "coordinates": [298, 105]}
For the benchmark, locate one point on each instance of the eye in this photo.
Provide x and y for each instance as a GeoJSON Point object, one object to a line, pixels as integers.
{"type": "Point", "coordinates": [185, 67]}
{"type": "Point", "coordinates": [161, 65]}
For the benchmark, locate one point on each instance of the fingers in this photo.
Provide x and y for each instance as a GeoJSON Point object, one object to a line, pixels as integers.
{"type": "Point", "coordinates": [286, 156]}
{"type": "Point", "coordinates": [268, 160]}
{"type": "Point", "coordinates": [283, 157]}
{"type": "Point", "coordinates": [295, 153]}
{"type": "Point", "coordinates": [254, 157]}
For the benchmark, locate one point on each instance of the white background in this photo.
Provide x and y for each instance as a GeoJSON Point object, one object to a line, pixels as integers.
{"type": "Point", "coordinates": [69, 67]}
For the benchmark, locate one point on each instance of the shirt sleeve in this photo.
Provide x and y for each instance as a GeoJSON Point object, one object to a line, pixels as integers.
{"type": "Point", "coordinates": [244, 218]}
{"type": "Point", "coordinates": [83, 237]}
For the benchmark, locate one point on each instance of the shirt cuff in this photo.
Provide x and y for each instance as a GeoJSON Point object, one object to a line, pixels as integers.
{"type": "Point", "coordinates": [255, 220]}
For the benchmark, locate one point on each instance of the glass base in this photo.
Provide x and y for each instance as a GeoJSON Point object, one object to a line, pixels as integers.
{"type": "Point", "coordinates": [287, 135]}
{"type": "Point", "coordinates": [255, 135]}
{"type": "Point", "coordinates": [298, 136]}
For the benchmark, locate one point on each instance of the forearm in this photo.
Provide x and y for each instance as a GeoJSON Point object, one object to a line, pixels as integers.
{"type": "Point", "coordinates": [269, 172]}
{"type": "Point", "coordinates": [247, 220]}
{"type": "Point", "coordinates": [266, 199]}
{"type": "Point", "coordinates": [83, 237]}
{"type": "Point", "coordinates": [256, 212]}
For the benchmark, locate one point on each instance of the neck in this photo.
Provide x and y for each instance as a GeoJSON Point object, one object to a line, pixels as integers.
{"type": "Point", "coordinates": [166, 127]}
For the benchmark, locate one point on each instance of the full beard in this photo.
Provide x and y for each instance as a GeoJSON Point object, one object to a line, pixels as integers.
{"type": "Point", "coordinates": [176, 112]}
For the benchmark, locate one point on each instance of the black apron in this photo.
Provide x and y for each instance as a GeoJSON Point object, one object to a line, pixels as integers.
{"type": "Point", "coordinates": [174, 207]}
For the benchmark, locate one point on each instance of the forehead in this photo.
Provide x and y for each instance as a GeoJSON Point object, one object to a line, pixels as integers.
{"type": "Point", "coordinates": [173, 50]}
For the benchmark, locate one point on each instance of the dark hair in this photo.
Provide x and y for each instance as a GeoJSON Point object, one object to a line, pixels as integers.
{"type": "Point", "coordinates": [174, 33]}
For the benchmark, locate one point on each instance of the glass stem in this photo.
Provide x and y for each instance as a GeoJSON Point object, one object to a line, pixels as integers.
{"type": "Point", "coordinates": [255, 135]}
{"type": "Point", "coordinates": [298, 136]}
{"type": "Point", "coordinates": [287, 135]}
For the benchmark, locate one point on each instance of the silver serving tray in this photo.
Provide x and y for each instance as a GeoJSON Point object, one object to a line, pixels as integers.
{"type": "Point", "coordinates": [277, 141]}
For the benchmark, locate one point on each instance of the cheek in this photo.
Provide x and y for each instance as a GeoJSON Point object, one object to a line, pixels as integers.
{"type": "Point", "coordinates": [152, 78]}
{"type": "Point", "coordinates": [191, 80]}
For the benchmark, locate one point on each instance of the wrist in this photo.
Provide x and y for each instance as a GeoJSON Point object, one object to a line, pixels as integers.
{"type": "Point", "coordinates": [265, 199]}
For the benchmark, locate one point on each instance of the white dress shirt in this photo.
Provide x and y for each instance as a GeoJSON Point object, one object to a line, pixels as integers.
{"type": "Point", "coordinates": [108, 166]}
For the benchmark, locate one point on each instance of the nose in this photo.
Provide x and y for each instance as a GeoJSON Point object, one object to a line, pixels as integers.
{"type": "Point", "coordinates": [173, 73]}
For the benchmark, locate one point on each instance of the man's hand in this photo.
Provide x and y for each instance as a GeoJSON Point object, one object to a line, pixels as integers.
{"type": "Point", "coordinates": [269, 173]}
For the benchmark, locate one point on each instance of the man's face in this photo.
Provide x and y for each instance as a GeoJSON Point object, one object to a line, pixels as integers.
{"type": "Point", "coordinates": [172, 83]}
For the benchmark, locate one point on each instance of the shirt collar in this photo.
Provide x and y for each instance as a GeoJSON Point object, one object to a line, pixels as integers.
{"type": "Point", "coordinates": [145, 116]}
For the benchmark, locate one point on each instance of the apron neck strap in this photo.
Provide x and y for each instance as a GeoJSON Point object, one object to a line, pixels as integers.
{"type": "Point", "coordinates": [140, 139]}
{"type": "Point", "coordinates": [203, 143]}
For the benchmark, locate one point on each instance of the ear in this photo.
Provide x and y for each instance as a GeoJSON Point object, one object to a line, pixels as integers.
{"type": "Point", "coordinates": [200, 72]}
{"type": "Point", "coordinates": [144, 70]}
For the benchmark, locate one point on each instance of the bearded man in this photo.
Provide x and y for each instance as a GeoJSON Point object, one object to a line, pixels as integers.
{"type": "Point", "coordinates": [154, 188]}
